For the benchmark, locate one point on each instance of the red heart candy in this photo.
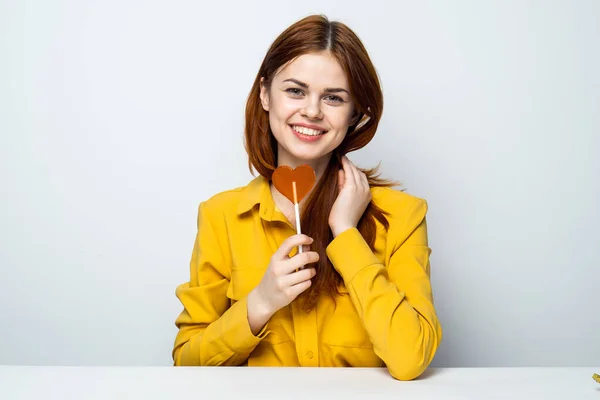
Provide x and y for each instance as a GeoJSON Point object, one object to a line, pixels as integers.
{"type": "Point", "coordinates": [303, 175]}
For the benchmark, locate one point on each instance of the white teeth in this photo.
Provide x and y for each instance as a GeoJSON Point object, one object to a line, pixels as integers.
{"type": "Point", "coordinates": [307, 131]}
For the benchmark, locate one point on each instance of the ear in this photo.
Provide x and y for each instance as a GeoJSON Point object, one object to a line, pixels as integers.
{"type": "Point", "coordinates": [264, 95]}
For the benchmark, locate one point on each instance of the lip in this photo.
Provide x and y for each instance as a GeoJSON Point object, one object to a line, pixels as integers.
{"type": "Point", "coordinates": [306, 138]}
{"type": "Point", "coordinates": [315, 127]}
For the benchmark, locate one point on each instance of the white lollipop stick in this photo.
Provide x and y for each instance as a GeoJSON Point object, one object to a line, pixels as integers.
{"type": "Point", "coordinates": [297, 211]}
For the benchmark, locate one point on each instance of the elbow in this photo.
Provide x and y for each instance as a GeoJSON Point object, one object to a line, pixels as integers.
{"type": "Point", "coordinates": [182, 357]}
{"type": "Point", "coordinates": [412, 362]}
{"type": "Point", "coordinates": [407, 371]}
{"type": "Point", "coordinates": [177, 357]}
{"type": "Point", "coordinates": [411, 366]}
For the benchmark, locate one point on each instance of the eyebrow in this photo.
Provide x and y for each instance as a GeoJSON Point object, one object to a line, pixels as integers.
{"type": "Point", "coordinates": [305, 86]}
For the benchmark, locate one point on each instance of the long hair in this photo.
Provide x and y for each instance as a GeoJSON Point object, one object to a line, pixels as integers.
{"type": "Point", "coordinates": [310, 35]}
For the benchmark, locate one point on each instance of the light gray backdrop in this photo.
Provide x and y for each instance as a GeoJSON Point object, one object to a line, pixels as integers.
{"type": "Point", "coordinates": [118, 117]}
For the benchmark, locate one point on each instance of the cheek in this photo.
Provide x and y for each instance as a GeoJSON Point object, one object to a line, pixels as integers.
{"type": "Point", "coordinates": [340, 119]}
{"type": "Point", "coordinates": [281, 112]}
{"type": "Point", "coordinates": [283, 107]}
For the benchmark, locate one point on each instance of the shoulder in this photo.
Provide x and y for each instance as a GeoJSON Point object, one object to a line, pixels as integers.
{"type": "Point", "coordinates": [224, 201]}
{"type": "Point", "coordinates": [212, 212]}
{"type": "Point", "coordinates": [235, 201]}
{"type": "Point", "coordinates": [397, 203]}
{"type": "Point", "coordinates": [403, 211]}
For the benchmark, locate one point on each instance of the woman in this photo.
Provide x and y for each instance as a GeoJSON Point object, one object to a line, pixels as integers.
{"type": "Point", "coordinates": [359, 294]}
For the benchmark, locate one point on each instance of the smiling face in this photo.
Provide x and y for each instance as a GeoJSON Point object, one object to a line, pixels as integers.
{"type": "Point", "coordinates": [310, 109]}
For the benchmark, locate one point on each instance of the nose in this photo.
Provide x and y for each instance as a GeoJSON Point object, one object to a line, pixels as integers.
{"type": "Point", "coordinates": [312, 109]}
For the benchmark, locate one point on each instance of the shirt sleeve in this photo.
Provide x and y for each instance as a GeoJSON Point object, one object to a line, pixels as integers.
{"type": "Point", "coordinates": [212, 331]}
{"type": "Point", "coordinates": [394, 301]}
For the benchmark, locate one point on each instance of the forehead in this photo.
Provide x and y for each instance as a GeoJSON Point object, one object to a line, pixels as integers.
{"type": "Point", "coordinates": [315, 69]}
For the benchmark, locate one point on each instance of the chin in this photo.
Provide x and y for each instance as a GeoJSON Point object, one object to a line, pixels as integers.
{"type": "Point", "coordinates": [306, 157]}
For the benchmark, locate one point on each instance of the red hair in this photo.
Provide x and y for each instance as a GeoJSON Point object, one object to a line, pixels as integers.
{"type": "Point", "coordinates": [315, 34]}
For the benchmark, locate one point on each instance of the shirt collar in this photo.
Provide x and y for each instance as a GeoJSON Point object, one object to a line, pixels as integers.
{"type": "Point", "coordinates": [258, 191]}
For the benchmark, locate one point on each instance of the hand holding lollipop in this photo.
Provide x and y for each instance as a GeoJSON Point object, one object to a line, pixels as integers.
{"type": "Point", "coordinates": [285, 277]}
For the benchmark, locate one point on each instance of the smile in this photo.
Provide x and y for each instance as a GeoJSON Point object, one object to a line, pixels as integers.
{"type": "Point", "coordinates": [307, 131]}
{"type": "Point", "coordinates": [307, 134]}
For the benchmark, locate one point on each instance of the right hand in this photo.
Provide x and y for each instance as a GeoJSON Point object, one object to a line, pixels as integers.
{"type": "Point", "coordinates": [283, 281]}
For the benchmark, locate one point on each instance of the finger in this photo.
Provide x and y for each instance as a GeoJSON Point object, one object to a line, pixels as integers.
{"type": "Point", "coordinates": [364, 180]}
{"type": "Point", "coordinates": [288, 245]}
{"type": "Point", "coordinates": [305, 248]}
{"type": "Point", "coordinates": [341, 179]}
{"type": "Point", "coordinates": [298, 277]}
{"type": "Point", "coordinates": [299, 261]}
{"type": "Point", "coordinates": [359, 177]}
{"type": "Point", "coordinates": [296, 290]}
{"type": "Point", "coordinates": [348, 174]}
{"type": "Point", "coordinates": [357, 174]}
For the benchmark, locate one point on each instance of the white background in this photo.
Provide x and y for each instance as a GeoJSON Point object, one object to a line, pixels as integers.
{"type": "Point", "coordinates": [118, 117]}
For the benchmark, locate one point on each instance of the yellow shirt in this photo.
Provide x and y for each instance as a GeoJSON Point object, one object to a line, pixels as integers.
{"type": "Point", "coordinates": [384, 316]}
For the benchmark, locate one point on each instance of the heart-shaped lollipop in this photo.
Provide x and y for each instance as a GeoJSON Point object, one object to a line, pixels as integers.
{"type": "Point", "coordinates": [294, 184]}
{"type": "Point", "coordinates": [303, 175]}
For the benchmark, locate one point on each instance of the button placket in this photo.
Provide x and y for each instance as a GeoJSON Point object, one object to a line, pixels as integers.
{"type": "Point", "coordinates": [305, 330]}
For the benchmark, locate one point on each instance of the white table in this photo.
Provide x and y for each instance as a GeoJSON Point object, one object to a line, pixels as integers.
{"type": "Point", "coordinates": [22, 382]}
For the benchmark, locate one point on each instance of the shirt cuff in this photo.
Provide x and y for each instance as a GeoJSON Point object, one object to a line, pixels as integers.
{"type": "Point", "coordinates": [236, 329]}
{"type": "Point", "coordinates": [350, 253]}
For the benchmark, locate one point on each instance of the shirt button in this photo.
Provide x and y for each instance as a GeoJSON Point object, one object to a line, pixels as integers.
{"type": "Point", "coordinates": [309, 354]}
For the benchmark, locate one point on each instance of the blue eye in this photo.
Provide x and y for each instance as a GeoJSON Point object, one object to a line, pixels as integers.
{"type": "Point", "coordinates": [335, 99]}
{"type": "Point", "coordinates": [294, 91]}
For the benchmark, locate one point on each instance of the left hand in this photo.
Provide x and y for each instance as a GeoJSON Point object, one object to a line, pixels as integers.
{"type": "Point", "coordinates": [353, 198]}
